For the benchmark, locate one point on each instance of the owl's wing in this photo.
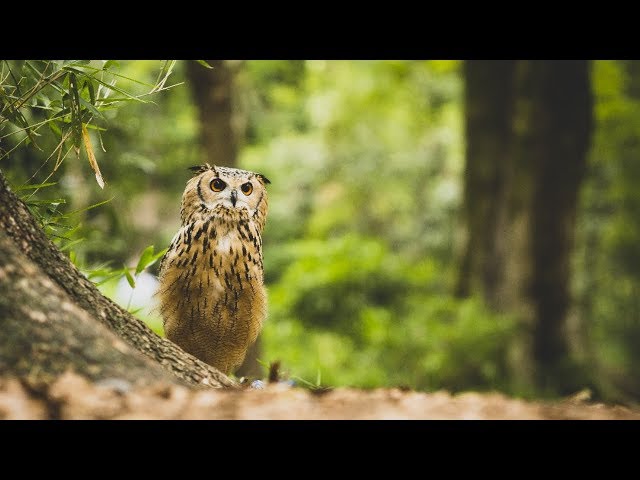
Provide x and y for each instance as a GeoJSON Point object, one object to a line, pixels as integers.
{"type": "Point", "coordinates": [169, 250]}
{"type": "Point", "coordinates": [162, 262]}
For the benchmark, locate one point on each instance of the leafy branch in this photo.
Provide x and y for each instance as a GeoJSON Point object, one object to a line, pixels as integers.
{"type": "Point", "coordinates": [73, 95]}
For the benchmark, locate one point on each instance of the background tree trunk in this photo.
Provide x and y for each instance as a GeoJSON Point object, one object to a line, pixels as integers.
{"type": "Point", "coordinates": [213, 92]}
{"type": "Point", "coordinates": [544, 132]}
{"type": "Point", "coordinates": [488, 109]}
{"type": "Point", "coordinates": [53, 318]}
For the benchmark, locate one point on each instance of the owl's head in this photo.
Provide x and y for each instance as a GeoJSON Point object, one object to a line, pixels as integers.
{"type": "Point", "coordinates": [225, 192]}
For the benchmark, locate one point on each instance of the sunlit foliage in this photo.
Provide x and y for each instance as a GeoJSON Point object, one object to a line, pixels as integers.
{"type": "Point", "coordinates": [361, 245]}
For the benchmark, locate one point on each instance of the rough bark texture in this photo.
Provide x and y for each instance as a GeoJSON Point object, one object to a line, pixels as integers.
{"type": "Point", "coordinates": [44, 333]}
{"type": "Point", "coordinates": [534, 118]}
{"type": "Point", "coordinates": [61, 327]}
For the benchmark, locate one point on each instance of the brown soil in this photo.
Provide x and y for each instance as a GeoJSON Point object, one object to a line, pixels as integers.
{"type": "Point", "coordinates": [73, 397]}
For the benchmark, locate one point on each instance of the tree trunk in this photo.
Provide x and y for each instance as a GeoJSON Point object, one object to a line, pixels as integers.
{"type": "Point", "coordinates": [488, 110]}
{"type": "Point", "coordinates": [552, 133]}
{"type": "Point", "coordinates": [53, 318]}
{"type": "Point", "coordinates": [539, 169]}
{"type": "Point", "coordinates": [212, 91]}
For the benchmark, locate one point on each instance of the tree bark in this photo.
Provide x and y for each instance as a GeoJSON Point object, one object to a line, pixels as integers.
{"type": "Point", "coordinates": [212, 91]}
{"type": "Point", "coordinates": [53, 318]}
{"type": "Point", "coordinates": [552, 126]}
{"type": "Point", "coordinates": [521, 210]}
{"type": "Point", "coordinates": [45, 333]}
{"type": "Point", "coordinates": [488, 109]}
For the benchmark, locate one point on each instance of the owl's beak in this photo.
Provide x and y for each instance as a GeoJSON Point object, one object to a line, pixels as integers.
{"type": "Point", "coordinates": [234, 197]}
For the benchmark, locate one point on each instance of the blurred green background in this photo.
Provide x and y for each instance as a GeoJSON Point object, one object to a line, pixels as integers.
{"type": "Point", "coordinates": [365, 231]}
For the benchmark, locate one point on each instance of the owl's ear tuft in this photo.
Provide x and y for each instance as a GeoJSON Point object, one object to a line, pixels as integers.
{"type": "Point", "coordinates": [263, 179]}
{"type": "Point", "coordinates": [198, 169]}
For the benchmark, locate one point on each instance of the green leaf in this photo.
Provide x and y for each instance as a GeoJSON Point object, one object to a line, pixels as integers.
{"type": "Point", "coordinates": [145, 258]}
{"type": "Point", "coordinates": [96, 128]}
{"type": "Point", "coordinates": [76, 121]}
{"type": "Point", "coordinates": [62, 113]}
{"type": "Point", "coordinates": [204, 63]}
{"type": "Point", "coordinates": [111, 63]}
{"type": "Point", "coordinates": [148, 258]}
{"type": "Point", "coordinates": [130, 278]}
{"type": "Point", "coordinates": [54, 128]}
{"type": "Point", "coordinates": [71, 244]}
{"type": "Point", "coordinates": [101, 270]}
{"type": "Point", "coordinates": [115, 74]}
{"type": "Point", "coordinates": [91, 108]}
{"type": "Point", "coordinates": [89, 207]}
{"type": "Point", "coordinates": [36, 72]}
{"type": "Point", "coordinates": [163, 75]}
{"type": "Point", "coordinates": [33, 187]}
{"type": "Point", "coordinates": [88, 84]}
{"type": "Point", "coordinates": [54, 202]}
{"type": "Point", "coordinates": [75, 94]}
{"type": "Point", "coordinates": [159, 255]}
{"type": "Point", "coordinates": [109, 277]}
{"type": "Point", "coordinates": [106, 85]}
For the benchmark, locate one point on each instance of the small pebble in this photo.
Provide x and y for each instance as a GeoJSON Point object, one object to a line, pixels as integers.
{"type": "Point", "coordinates": [118, 384]}
{"type": "Point", "coordinates": [258, 384]}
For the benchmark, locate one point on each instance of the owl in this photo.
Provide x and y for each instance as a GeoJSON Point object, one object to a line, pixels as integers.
{"type": "Point", "coordinates": [211, 293]}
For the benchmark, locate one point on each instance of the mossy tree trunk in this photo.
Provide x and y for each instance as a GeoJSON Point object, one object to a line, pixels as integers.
{"type": "Point", "coordinates": [535, 119]}
{"type": "Point", "coordinates": [54, 319]}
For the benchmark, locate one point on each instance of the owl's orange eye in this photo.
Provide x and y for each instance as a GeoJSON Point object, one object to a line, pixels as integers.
{"type": "Point", "coordinates": [246, 188]}
{"type": "Point", "coordinates": [217, 185]}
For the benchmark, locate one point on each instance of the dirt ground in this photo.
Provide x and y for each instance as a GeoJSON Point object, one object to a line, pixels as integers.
{"type": "Point", "coordinates": [73, 397]}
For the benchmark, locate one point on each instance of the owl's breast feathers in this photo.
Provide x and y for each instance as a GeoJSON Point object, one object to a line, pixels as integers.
{"type": "Point", "coordinates": [212, 296]}
{"type": "Point", "coordinates": [230, 252]}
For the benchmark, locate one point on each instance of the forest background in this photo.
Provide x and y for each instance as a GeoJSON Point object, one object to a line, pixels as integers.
{"type": "Point", "coordinates": [433, 224]}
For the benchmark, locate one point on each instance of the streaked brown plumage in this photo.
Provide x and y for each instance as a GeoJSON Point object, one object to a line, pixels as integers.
{"type": "Point", "coordinates": [212, 295]}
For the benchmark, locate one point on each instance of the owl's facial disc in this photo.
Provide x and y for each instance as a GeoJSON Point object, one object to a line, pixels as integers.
{"type": "Point", "coordinates": [224, 192]}
{"type": "Point", "coordinates": [232, 194]}
{"type": "Point", "coordinates": [232, 199]}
